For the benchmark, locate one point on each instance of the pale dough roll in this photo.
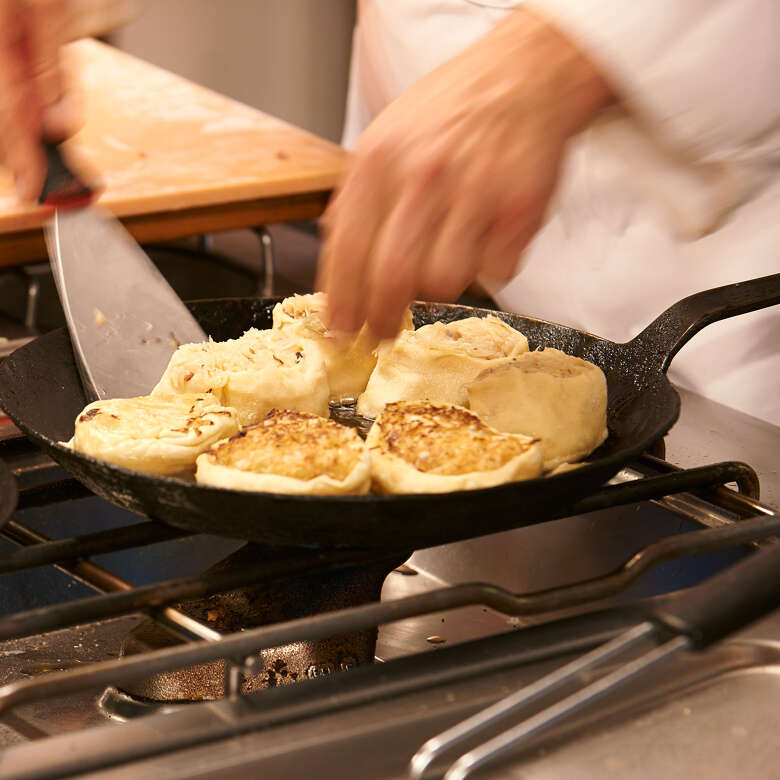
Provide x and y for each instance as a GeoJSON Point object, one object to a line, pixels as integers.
{"type": "Point", "coordinates": [419, 447]}
{"type": "Point", "coordinates": [253, 374]}
{"type": "Point", "coordinates": [159, 435]}
{"type": "Point", "coordinates": [555, 397]}
{"type": "Point", "coordinates": [437, 361]}
{"type": "Point", "coordinates": [348, 363]}
{"type": "Point", "coordinates": [290, 452]}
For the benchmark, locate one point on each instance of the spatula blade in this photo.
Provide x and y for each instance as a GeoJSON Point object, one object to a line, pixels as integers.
{"type": "Point", "coordinates": [125, 320]}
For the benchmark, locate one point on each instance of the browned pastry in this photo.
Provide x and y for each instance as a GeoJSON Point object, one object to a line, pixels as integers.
{"type": "Point", "coordinates": [289, 452]}
{"type": "Point", "coordinates": [420, 447]}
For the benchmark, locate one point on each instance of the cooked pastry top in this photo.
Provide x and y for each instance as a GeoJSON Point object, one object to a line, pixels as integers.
{"type": "Point", "coordinates": [487, 338]}
{"type": "Point", "coordinates": [437, 361]}
{"type": "Point", "coordinates": [176, 418]}
{"type": "Point", "coordinates": [260, 371]}
{"type": "Point", "coordinates": [161, 434]}
{"type": "Point", "coordinates": [292, 444]}
{"type": "Point", "coordinates": [309, 309]}
{"type": "Point", "coordinates": [348, 361]}
{"type": "Point", "coordinates": [550, 395]}
{"type": "Point", "coordinates": [211, 363]}
{"type": "Point", "coordinates": [444, 439]}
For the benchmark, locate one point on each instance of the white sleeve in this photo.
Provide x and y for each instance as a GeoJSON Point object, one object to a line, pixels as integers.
{"type": "Point", "coordinates": [701, 74]}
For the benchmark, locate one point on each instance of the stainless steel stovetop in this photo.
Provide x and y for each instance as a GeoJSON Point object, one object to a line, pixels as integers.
{"type": "Point", "coordinates": [709, 715]}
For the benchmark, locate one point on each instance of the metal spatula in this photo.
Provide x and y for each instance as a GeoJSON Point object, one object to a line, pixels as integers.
{"type": "Point", "coordinates": [125, 320]}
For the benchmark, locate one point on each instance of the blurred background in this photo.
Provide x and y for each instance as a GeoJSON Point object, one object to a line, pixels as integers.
{"type": "Point", "coordinates": [289, 58]}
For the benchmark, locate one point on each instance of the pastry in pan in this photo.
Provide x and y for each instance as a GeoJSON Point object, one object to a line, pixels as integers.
{"type": "Point", "coordinates": [348, 363]}
{"type": "Point", "coordinates": [290, 452]}
{"type": "Point", "coordinates": [253, 374]}
{"type": "Point", "coordinates": [419, 447]}
{"type": "Point", "coordinates": [437, 361]}
{"type": "Point", "coordinates": [161, 434]}
{"type": "Point", "coordinates": [557, 398]}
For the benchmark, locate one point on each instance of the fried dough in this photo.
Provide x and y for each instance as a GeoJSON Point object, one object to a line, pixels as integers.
{"type": "Point", "coordinates": [554, 397]}
{"type": "Point", "coordinates": [437, 361]}
{"type": "Point", "coordinates": [255, 373]}
{"type": "Point", "coordinates": [290, 452]}
{"type": "Point", "coordinates": [420, 447]}
{"type": "Point", "coordinates": [161, 434]}
{"type": "Point", "coordinates": [347, 363]}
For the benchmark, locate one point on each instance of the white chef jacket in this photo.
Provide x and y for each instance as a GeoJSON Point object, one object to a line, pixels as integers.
{"type": "Point", "coordinates": [675, 189]}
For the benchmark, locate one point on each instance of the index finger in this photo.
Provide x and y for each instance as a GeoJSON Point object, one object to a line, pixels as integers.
{"type": "Point", "coordinates": [20, 112]}
{"type": "Point", "coordinates": [353, 223]}
{"type": "Point", "coordinates": [46, 30]}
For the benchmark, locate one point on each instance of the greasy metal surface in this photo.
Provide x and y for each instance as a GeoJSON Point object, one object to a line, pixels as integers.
{"type": "Point", "coordinates": [36, 656]}
{"type": "Point", "coordinates": [276, 564]}
{"type": "Point", "coordinates": [642, 407]}
{"type": "Point", "coordinates": [267, 602]}
{"type": "Point", "coordinates": [358, 618]}
{"type": "Point", "coordinates": [369, 723]}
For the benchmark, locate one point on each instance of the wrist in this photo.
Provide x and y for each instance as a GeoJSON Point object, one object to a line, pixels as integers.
{"type": "Point", "coordinates": [555, 76]}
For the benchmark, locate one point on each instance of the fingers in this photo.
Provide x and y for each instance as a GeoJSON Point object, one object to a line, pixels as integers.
{"type": "Point", "coordinates": [398, 259]}
{"type": "Point", "coordinates": [32, 101]}
{"type": "Point", "coordinates": [46, 28]}
{"type": "Point", "coordinates": [20, 111]}
{"type": "Point", "coordinates": [453, 261]}
{"type": "Point", "coordinates": [351, 224]}
{"type": "Point", "coordinates": [504, 243]}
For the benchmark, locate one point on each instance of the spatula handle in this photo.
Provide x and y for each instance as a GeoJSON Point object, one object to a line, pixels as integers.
{"type": "Point", "coordinates": [62, 188]}
{"type": "Point", "coordinates": [728, 601]}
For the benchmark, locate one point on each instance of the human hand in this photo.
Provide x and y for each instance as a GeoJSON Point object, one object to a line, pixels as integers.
{"type": "Point", "coordinates": [32, 92]}
{"type": "Point", "coordinates": [453, 179]}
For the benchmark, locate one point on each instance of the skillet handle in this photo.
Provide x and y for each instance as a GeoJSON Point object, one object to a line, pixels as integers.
{"type": "Point", "coordinates": [665, 336]}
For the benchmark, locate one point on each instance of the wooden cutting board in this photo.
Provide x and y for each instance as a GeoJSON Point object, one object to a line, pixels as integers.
{"type": "Point", "coordinates": [177, 159]}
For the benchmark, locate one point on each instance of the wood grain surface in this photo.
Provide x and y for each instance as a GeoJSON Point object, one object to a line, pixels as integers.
{"type": "Point", "coordinates": [176, 159]}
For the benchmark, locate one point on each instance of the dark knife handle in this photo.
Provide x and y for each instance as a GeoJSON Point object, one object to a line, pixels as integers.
{"type": "Point", "coordinates": [726, 602]}
{"type": "Point", "coordinates": [62, 188]}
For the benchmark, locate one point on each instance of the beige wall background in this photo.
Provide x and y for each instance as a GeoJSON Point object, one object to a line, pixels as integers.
{"type": "Point", "coordinates": [289, 58]}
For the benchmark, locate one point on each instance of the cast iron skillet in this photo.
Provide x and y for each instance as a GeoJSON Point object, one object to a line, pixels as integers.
{"type": "Point", "coordinates": [40, 390]}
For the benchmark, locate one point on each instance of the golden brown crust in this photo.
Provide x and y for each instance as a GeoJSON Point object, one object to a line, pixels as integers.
{"type": "Point", "coordinates": [420, 447]}
{"type": "Point", "coordinates": [445, 439]}
{"type": "Point", "coordinates": [292, 444]}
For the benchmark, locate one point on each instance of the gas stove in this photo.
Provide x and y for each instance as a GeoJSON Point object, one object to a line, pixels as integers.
{"type": "Point", "coordinates": [277, 673]}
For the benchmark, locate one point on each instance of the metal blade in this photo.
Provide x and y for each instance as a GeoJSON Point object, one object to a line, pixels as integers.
{"type": "Point", "coordinates": [125, 320]}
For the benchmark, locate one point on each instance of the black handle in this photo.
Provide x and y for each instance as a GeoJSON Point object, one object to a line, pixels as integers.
{"type": "Point", "coordinates": [663, 338]}
{"type": "Point", "coordinates": [62, 188]}
{"type": "Point", "coordinates": [726, 602]}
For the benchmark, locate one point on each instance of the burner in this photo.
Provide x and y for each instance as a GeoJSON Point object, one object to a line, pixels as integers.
{"type": "Point", "coordinates": [266, 602]}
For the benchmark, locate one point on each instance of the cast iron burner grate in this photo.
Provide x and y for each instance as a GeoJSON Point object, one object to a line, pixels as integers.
{"type": "Point", "coordinates": [241, 654]}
